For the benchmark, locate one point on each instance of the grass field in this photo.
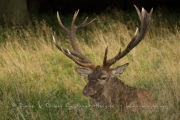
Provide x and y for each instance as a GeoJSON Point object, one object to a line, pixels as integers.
{"type": "Point", "coordinates": [38, 82]}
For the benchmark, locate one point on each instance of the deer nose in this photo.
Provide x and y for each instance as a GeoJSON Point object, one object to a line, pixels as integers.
{"type": "Point", "coordinates": [86, 91]}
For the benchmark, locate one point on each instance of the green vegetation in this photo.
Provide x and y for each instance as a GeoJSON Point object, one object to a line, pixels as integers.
{"type": "Point", "coordinates": [38, 82]}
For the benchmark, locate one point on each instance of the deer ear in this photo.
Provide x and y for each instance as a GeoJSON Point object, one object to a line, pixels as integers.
{"type": "Point", "coordinates": [83, 71]}
{"type": "Point", "coordinates": [119, 70]}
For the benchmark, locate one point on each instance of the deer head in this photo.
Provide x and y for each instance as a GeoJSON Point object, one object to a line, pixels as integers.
{"type": "Point", "coordinates": [99, 76]}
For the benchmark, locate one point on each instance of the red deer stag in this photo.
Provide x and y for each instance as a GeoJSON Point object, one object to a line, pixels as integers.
{"type": "Point", "coordinates": [103, 85]}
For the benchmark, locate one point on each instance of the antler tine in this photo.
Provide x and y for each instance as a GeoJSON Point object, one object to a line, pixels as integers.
{"type": "Point", "coordinates": [60, 23]}
{"type": "Point", "coordinates": [73, 30]}
{"type": "Point", "coordinates": [75, 55]}
{"type": "Point", "coordinates": [151, 11]}
{"type": "Point", "coordinates": [139, 35]}
{"type": "Point", "coordinates": [105, 55]}
{"type": "Point", "coordinates": [64, 50]}
{"type": "Point", "coordinates": [73, 26]}
{"type": "Point", "coordinates": [138, 12]}
{"type": "Point", "coordinates": [70, 55]}
{"type": "Point", "coordinates": [84, 24]}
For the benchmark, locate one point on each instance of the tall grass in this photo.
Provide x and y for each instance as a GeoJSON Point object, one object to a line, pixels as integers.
{"type": "Point", "coordinates": [38, 82]}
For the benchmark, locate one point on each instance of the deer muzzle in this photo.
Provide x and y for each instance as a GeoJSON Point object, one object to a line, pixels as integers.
{"type": "Point", "coordinates": [88, 91]}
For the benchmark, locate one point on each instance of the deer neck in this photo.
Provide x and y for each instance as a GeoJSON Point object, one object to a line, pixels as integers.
{"type": "Point", "coordinates": [115, 87]}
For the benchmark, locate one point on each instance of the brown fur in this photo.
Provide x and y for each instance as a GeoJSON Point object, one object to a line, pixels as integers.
{"type": "Point", "coordinates": [112, 91]}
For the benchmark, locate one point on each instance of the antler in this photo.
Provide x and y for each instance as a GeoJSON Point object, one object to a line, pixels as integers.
{"type": "Point", "coordinates": [75, 55]}
{"type": "Point", "coordinates": [139, 35]}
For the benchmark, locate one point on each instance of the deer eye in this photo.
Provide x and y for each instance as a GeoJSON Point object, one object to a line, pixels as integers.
{"type": "Point", "coordinates": [103, 77]}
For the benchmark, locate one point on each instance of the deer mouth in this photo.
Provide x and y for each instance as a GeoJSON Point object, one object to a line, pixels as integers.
{"type": "Point", "coordinates": [94, 96]}
{"type": "Point", "coordinates": [93, 93]}
{"type": "Point", "coordinates": [89, 92]}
